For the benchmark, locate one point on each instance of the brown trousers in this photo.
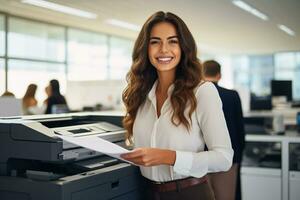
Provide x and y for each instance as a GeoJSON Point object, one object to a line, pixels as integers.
{"type": "Point", "coordinates": [224, 183]}
{"type": "Point", "coordinates": [202, 191]}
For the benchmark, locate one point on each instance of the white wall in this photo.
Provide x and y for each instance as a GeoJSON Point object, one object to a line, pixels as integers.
{"type": "Point", "coordinates": [90, 93]}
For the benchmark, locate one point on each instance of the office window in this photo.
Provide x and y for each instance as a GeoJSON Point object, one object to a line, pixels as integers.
{"type": "Point", "coordinates": [87, 55]}
{"type": "Point", "coordinates": [34, 40]}
{"type": "Point", "coordinates": [2, 77]}
{"type": "Point", "coordinates": [261, 74]}
{"type": "Point", "coordinates": [253, 72]}
{"type": "Point", "coordinates": [296, 89]}
{"type": "Point", "coordinates": [241, 70]}
{"type": "Point", "coordinates": [22, 73]}
{"type": "Point", "coordinates": [285, 64]}
{"type": "Point", "coordinates": [285, 61]}
{"type": "Point", "coordinates": [287, 67]}
{"type": "Point", "coordinates": [2, 36]}
{"type": "Point", "coordinates": [119, 57]}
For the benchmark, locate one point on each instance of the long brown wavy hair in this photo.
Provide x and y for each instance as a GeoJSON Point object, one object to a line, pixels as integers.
{"type": "Point", "coordinates": [142, 74]}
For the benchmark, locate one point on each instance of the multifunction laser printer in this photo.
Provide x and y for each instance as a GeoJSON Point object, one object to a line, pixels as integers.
{"type": "Point", "coordinates": [35, 164]}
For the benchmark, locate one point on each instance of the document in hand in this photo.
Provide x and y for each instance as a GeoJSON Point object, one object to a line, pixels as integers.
{"type": "Point", "coordinates": [98, 144]}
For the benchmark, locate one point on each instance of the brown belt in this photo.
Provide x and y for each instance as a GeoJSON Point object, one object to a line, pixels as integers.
{"type": "Point", "coordinates": [177, 185]}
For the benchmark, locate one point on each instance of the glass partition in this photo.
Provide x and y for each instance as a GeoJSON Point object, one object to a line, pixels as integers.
{"type": "Point", "coordinates": [2, 77]}
{"type": "Point", "coordinates": [119, 57]}
{"type": "Point", "coordinates": [35, 40]}
{"type": "Point", "coordinates": [87, 55]}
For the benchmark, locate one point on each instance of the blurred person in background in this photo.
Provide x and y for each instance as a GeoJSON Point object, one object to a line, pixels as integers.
{"type": "Point", "coordinates": [227, 185]}
{"type": "Point", "coordinates": [29, 101]}
{"type": "Point", "coordinates": [55, 98]}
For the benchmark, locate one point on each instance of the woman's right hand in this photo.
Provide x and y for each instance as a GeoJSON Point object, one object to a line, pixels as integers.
{"type": "Point", "coordinates": [150, 157]}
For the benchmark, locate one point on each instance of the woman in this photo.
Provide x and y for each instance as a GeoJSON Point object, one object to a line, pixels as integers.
{"type": "Point", "coordinates": [172, 114]}
{"type": "Point", "coordinates": [29, 101]}
{"type": "Point", "coordinates": [55, 98]}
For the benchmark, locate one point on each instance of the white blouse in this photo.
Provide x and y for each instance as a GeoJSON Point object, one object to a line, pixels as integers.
{"type": "Point", "coordinates": [208, 127]}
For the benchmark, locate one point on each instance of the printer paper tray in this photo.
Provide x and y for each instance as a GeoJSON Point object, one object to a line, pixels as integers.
{"type": "Point", "coordinates": [96, 163]}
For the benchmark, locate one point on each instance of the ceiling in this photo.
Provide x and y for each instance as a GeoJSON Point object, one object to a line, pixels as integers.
{"type": "Point", "coordinates": [217, 25]}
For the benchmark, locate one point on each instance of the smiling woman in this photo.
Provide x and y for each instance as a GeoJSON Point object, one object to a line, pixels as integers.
{"type": "Point", "coordinates": [172, 114]}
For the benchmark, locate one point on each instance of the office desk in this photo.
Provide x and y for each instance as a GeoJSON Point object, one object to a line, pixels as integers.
{"type": "Point", "coordinates": [268, 172]}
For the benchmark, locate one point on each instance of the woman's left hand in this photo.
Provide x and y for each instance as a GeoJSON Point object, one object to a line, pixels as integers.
{"type": "Point", "coordinates": [150, 157]}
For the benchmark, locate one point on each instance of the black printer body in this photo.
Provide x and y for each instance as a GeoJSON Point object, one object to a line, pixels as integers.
{"type": "Point", "coordinates": [35, 164]}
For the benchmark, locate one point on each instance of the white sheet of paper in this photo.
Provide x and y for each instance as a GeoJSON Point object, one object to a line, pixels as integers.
{"type": "Point", "coordinates": [98, 144]}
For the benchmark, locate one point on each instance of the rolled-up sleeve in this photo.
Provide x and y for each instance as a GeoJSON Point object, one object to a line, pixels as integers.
{"type": "Point", "coordinates": [213, 127]}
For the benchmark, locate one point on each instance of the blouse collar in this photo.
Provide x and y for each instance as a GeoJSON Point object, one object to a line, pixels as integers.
{"type": "Point", "coordinates": [151, 94]}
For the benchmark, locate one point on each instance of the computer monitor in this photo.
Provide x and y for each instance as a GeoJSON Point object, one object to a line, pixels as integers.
{"type": "Point", "coordinates": [282, 88]}
{"type": "Point", "coordinates": [260, 102]}
{"type": "Point", "coordinates": [59, 108]}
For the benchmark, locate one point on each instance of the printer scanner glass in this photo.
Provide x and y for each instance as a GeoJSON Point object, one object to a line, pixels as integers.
{"type": "Point", "coordinates": [81, 130]}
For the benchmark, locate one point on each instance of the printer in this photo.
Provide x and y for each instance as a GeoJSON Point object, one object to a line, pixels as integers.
{"type": "Point", "coordinates": [36, 164]}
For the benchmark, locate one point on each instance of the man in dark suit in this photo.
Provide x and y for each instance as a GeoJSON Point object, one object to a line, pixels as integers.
{"type": "Point", "coordinates": [227, 185]}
